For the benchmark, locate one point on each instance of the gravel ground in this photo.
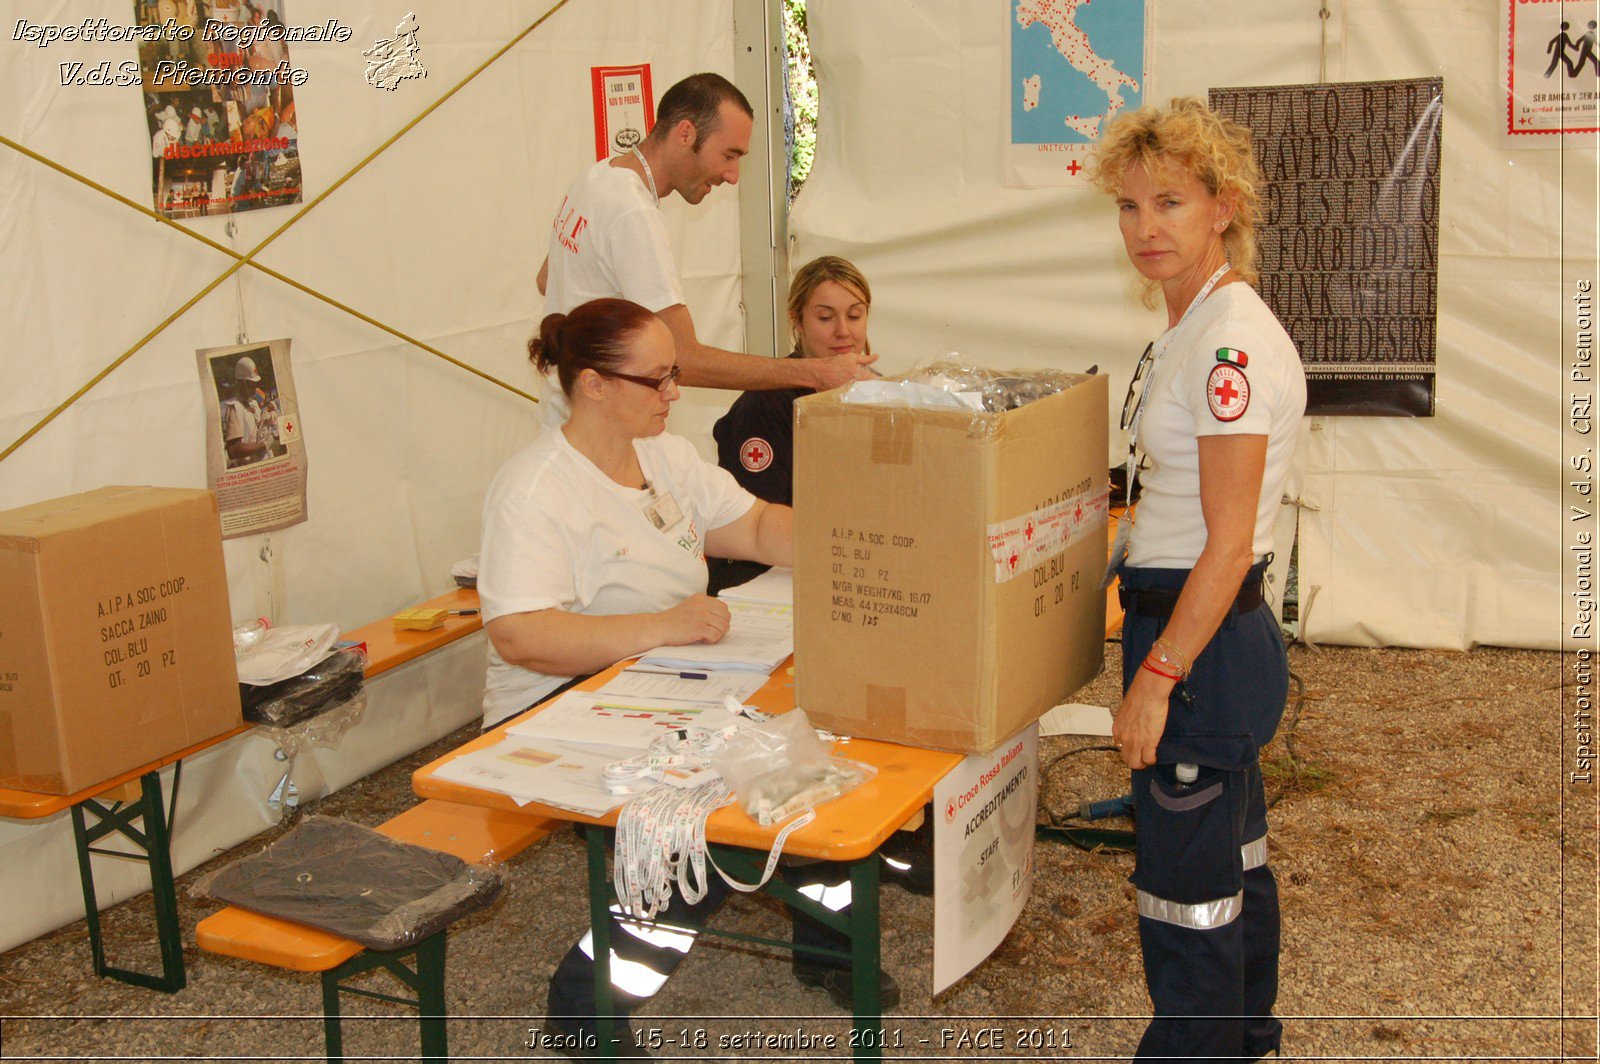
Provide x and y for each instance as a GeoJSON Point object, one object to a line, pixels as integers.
{"type": "Point", "coordinates": [1437, 869]}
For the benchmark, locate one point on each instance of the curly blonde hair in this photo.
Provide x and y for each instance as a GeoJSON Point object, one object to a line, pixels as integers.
{"type": "Point", "coordinates": [808, 277]}
{"type": "Point", "coordinates": [1186, 135]}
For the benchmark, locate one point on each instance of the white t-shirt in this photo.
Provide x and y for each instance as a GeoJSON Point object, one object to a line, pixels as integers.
{"type": "Point", "coordinates": [607, 240]}
{"type": "Point", "coordinates": [1230, 371]}
{"type": "Point", "coordinates": [560, 534]}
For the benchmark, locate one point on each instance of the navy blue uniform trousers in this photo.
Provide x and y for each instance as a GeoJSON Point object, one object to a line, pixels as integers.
{"type": "Point", "coordinates": [572, 986]}
{"type": "Point", "coordinates": [1208, 903]}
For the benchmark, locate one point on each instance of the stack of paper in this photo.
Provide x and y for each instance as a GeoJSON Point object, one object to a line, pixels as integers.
{"type": "Point", "coordinates": [680, 685]}
{"type": "Point", "coordinates": [760, 636]}
{"type": "Point", "coordinates": [628, 723]}
{"type": "Point", "coordinates": [537, 770]}
{"type": "Point", "coordinates": [774, 586]}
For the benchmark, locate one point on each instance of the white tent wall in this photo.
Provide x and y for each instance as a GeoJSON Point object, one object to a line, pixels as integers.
{"type": "Point", "coordinates": [440, 237]}
{"type": "Point", "coordinates": [1439, 532]}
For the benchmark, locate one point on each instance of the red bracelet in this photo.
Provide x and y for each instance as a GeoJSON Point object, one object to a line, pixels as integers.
{"type": "Point", "coordinates": [1174, 677]}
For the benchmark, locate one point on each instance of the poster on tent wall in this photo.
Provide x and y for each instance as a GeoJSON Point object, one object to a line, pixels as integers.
{"type": "Point", "coordinates": [982, 853]}
{"type": "Point", "coordinates": [219, 103]}
{"type": "Point", "coordinates": [1550, 72]}
{"type": "Point", "coordinates": [1071, 65]}
{"type": "Point", "coordinates": [255, 454]}
{"type": "Point", "coordinates": [624, 108]}
{"type": "Point", "coordinates": [1349, 234]}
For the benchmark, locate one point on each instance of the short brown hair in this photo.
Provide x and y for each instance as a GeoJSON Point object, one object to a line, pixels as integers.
{"type": "Point", "coordinates": [594, 336]}
{"type": "Point", "coordinates": [1186, 135]}
{"type": "Point", "coordinates": [699, 98]}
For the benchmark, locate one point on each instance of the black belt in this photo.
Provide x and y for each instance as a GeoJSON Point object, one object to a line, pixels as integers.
{"type": "Point", "coordinates": [1160, 602]}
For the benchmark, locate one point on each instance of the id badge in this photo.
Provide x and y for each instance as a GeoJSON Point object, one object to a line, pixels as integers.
{"type": "Point", "coordinates": [664, 512]}
{"type": "Point", "coordinates": [1119, 549]}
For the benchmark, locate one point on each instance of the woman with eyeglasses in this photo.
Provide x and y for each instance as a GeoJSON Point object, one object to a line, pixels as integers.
{"type": "Point", "coordinates": [595, 535]}
{"type": "Point", "coordinates": [1215, 412]}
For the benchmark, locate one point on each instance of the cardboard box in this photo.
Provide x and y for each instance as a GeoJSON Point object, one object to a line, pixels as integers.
{"type": "Point", "coordinates": [116, 647]}
{"type": "Point", "coordinates": [948, 565]}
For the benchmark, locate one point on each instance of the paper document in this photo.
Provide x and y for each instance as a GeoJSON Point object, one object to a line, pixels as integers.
{"type": "Point", "coordinates": [760, 636]}
{"type": "Point", "coordinates": [1074, 718]}
{"type": "Point", "coordinates": [535, 770]}
{"type": "Point", "coordinates": [671, 683]}
{"type": "Point", "coordinates": [775, 585]}
{"type": "Point", "coordinates": [591, 717]}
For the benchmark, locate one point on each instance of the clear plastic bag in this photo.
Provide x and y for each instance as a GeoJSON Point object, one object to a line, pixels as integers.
{"type": "Point", "coordinates": [335, 680]}
{"type": "Point", "coordinates": [348, 879]}
{"type": "Point", "coordinates": [779, 768]}
{"type": "Point", "coordinates": [953, 383]}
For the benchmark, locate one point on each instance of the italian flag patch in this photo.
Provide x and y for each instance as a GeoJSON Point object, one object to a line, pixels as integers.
{"type": "Point", "coordinates": [1233, 356]}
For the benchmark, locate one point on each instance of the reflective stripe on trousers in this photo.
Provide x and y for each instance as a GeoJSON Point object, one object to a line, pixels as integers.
{"type": "Point", "coordinates": [636, 977]}
{"type": "Point", "coordinates": [1205, 915]}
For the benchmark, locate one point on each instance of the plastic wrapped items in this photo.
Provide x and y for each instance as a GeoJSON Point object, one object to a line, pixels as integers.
{"type": "Point", "coordinates": [350, 880]}
{"type": "Point", "coordinates": [779, 768]}
{"type": "Point", "coordinates": [333, 681]}
{"type": "Point", "coordinates": [951, 383]}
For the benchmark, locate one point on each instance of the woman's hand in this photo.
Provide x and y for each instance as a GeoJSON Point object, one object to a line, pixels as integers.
{"type": "Point", "coordinates": [1141, 718]}
{"type": "Point", "coordinates": [697, 619]}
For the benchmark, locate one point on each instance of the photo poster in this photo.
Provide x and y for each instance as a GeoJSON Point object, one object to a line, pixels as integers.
{"type": "Point", "coordinates": [1550, 72]}
{"type": "Point", "coordinates": [1349, 234]}
{"type": "Point", "coordinates": [255, 453]}
{"type": "Point", "coordinates": [219, 103]}
{"type": "Point", "coordinates": [982, 853]}
{"type": "Point", "coordinates": [624, 108]}
{"type": "Point", "coordinates": [1071, 66]}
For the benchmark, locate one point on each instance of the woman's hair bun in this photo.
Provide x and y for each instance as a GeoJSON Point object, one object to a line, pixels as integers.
{"type": "Point", "coordinates": [544, 350]}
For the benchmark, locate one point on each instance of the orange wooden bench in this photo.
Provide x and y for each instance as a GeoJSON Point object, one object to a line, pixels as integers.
{"type": "Point", "coordinates": [474, 834]}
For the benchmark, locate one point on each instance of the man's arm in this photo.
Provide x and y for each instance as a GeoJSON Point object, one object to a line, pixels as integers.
{"type": "Point", "coordinates": [544, 275]}
{"type": "Point", "coordinates": [712, 367]}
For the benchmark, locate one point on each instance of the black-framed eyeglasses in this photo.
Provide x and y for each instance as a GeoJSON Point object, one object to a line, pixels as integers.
{"type": "Point", "coordinates": [658, 383]}
{"type": "Point", "coordinates": [1130, 405]}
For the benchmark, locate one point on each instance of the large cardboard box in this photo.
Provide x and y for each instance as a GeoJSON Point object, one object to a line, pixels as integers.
{"type": "Point", "coordinates": [948, 565]}
{"type": "Point", "coordinates": [116, 647]}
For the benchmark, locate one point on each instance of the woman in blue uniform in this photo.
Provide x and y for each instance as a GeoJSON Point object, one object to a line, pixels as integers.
{"type": "Point", "coordinates": [828, 305]}
{"type": "Point", "coordinates": [1215, 407]}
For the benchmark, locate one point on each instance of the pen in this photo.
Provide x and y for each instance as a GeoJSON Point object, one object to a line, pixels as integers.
{"type": "Point", "coordinates": [671, 672]}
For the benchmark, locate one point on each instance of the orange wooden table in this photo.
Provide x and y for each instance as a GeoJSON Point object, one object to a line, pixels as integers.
{"type": "Point", "coordinates": [847, 829]}
{"type": "Point", "coordinates": [152, 843]}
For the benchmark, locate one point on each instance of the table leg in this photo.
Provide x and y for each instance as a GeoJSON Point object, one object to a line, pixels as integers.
{"type": "Point", "coordinates": [600, 927]}
{"type": "Point", "coordinates": [866, 970]}
{"type": "Point", "coordinates": [153, 846]}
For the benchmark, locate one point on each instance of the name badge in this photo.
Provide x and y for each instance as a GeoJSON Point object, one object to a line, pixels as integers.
{"type": "Point", "coordinates": [664, 512]}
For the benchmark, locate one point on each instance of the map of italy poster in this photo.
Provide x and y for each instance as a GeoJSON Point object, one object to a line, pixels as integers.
{"type": "Point", "coordinates": [1072, 65]}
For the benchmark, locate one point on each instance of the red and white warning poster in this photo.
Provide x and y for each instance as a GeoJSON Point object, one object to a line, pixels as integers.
{"type": "Point", "coordinates": [624, 108]}
{"type": "Point", "coordinates": [1550, 62]}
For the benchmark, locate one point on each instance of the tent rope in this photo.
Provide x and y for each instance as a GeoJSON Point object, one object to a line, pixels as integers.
{"type": "Point", "coordinates": [249, 256]}
{"type": "Point", "coordinates": [268, 270]}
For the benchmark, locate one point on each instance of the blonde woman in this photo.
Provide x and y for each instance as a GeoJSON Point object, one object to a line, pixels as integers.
{"type": "Point", "coordinates": [1215, 407]}
{"type": "Point", "coordinates": [829, 301]}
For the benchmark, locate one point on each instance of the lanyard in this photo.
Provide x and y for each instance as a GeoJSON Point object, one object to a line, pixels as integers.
{"type": "Point", "coordinates": [649, 178]}
{"type": "Point", "coordinates": [1119, 549]}
{"type": "Point", "coordinates": [1150, 378]}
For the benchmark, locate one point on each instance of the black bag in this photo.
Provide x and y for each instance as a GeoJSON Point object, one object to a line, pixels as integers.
{"type": "Point", "coordinates": [348, 879]}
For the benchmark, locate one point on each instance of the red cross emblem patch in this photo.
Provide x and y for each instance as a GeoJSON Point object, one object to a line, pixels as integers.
{"type": "Point", "coordinates": [755, 454]}
{"type": "Point", "coordinates": [1227, 392]}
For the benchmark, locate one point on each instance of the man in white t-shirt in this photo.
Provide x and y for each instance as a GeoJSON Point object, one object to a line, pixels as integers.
{"type": "Point", "coordinates": [608, 239]}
